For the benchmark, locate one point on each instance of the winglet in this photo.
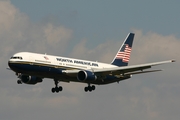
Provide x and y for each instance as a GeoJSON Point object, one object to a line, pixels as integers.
{"type": "Point", "coordinates": [173, 60]}
{"type": "Point", "coordinates": [123, 55]}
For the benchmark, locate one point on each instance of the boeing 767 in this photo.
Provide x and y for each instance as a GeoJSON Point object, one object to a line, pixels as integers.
{"type": "Point", "coordinates": [32, 68]}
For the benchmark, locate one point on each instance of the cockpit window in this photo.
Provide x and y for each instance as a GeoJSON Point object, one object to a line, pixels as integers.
{"type": "Point", "coordinates": [16, 57]}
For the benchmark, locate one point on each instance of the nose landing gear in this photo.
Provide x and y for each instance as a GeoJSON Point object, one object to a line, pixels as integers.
{"type": "Point", "coordinates": [19, 82]}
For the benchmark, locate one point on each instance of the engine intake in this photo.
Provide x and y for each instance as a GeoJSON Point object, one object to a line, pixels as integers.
{"type": "Point", "coordinates": [86, 76]}
{"type": "Point", "coordinates": [32, 80]}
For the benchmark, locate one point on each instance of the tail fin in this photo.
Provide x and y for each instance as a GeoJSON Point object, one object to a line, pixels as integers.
{"type": "Point", "coordinates": [123, 55]}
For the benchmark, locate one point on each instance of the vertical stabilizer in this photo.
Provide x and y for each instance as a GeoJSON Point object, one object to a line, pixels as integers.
{"type": "Point", "coordinates": [123, 55]}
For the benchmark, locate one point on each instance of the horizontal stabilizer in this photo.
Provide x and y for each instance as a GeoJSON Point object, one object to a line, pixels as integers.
{"type": "Point", "coordinates": [140, 72]}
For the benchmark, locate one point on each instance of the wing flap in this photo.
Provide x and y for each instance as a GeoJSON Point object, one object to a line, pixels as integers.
{"type": "Point", "coordinates": [140, 72]}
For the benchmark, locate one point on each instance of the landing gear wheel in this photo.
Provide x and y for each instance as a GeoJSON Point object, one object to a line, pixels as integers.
{"type": "Point", "coordinates": [93, 87]}
{"type": "Point", "coordinates": [53, 90]}
{"type": "Point", "coordinates": [60, 88]}
{"type": "Point", "coordinates": [89, 88]}
{"type": "Point", "coordinates": [56, 89]}
{"type": "Point", "coordinates": [19, 82]}
{"type": "Point", "coordinates": [86, 89]}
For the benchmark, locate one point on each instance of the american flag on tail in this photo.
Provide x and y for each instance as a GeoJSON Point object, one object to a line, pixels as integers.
{"type": "Point", "coordinates": [124, 53]}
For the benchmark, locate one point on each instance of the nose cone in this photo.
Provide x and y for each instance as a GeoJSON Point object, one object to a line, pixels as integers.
{"type": "Point", "coordinates": [10, 64]}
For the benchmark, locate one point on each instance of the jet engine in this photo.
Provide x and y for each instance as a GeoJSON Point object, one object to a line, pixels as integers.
{"type": "Point", "coordinates": [86, 76]}
{"type": "Point", "coordinates": [32, 80]}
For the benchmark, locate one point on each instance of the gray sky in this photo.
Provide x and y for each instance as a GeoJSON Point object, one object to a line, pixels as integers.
{"type": "Point", "coordinates": [92, 30]}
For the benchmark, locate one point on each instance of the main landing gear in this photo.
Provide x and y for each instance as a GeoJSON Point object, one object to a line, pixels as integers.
{"type": "Point", "coordinates": [56, 88]}
{"type": "Point", "coordinates": [89, 88]}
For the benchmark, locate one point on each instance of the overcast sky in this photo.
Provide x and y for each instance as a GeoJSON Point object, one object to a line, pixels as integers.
{"type": "Point", "coordinates": [92, 30]}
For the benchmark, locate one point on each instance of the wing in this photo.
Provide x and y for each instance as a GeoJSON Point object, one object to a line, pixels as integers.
{"type": "Point", "coordinates": [127, 70]}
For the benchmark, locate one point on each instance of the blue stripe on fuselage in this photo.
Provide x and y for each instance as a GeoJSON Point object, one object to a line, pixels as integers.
{"type": "Point", "coordinates": [46, 71]}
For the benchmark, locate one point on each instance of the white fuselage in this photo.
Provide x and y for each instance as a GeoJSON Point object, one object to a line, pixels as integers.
{"type": "Point", "coordinates": [60, 62]}
{"type": "Point", "coordinates": [48, 66]}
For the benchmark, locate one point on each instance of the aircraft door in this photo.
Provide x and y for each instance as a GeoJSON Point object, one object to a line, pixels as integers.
{"type": "Point", "coordinates": [31, 59]}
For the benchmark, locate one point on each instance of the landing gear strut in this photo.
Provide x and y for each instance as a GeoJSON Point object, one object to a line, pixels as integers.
{"type": "Point", "coordinates": [56, 88]}
{"type": "Point", "coordinates": [19, 76]}
{"type": "Point", "coordinates": [89, 88]}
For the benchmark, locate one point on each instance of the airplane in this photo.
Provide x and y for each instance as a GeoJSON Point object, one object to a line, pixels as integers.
{"type": "Point", "coordinates": [32, 68]}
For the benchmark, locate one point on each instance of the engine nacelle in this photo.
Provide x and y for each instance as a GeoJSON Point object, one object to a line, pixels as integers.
{"type": "Point", "coordinates": [86, 76]}
{"type": "Point", "coordinates": [32, 80]}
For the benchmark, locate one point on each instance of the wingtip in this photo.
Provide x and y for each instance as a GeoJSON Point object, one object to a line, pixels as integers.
{"type": "Point", "coordinates": [173, 60]}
